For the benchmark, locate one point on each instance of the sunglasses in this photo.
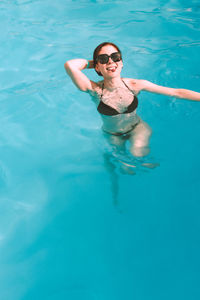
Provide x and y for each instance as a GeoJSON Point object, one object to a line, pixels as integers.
{"type": "Point", "coordinates": [104, 58]}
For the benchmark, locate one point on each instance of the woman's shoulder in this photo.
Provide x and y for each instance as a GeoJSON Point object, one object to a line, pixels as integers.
{"type": "Point", "coordinates": [135, 84]}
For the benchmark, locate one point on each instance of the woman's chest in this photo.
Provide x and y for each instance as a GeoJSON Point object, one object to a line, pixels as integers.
{"type": "Point", "coordinates": [118, 99]}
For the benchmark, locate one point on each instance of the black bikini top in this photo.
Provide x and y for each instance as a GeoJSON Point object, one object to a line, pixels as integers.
{"type": "Point", "coordinates": [107, 110]}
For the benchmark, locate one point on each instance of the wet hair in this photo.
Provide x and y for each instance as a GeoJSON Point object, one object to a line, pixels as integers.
{"type": "Point", "coordinates": [97, 50]}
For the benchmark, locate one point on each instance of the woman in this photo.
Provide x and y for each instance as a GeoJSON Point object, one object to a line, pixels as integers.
{"type": "Point", "coordinates": [116, 97]}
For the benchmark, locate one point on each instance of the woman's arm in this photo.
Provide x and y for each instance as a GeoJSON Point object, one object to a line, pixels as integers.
{"type": "Point", "coordinates": [178, 93]}
{"type": "Point", "coordinates": [74, 69]}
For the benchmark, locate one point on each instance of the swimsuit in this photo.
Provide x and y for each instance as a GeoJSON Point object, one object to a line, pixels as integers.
{"type": "Point", "coordinates": [107, 110]}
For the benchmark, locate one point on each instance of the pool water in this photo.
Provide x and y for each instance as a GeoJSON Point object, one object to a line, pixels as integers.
{"type": "Point", "coordinates": [74, 224]}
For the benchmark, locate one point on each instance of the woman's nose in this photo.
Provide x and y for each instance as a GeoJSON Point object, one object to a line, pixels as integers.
{"type": "Point", "coordinates": [110, 60]}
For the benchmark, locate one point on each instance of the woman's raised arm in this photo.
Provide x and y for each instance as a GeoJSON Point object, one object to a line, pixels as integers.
{"type": "Point", "coordinates": [74, 69]}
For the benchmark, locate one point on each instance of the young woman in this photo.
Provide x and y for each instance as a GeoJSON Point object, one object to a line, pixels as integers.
{"type": "Point", "coordinates": [116, 97]}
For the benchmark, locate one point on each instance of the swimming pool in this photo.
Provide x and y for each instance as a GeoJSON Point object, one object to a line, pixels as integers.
{"type": "Point", "coordinates": [73, 225]}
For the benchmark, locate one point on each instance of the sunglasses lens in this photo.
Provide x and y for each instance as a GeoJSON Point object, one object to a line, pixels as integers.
{"type": "Point", "coordinates": [103, 58]}
{"type": "Point", "coordinates": [116, 56]}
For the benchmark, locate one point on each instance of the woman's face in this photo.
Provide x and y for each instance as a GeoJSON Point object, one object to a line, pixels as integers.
{"type": "Point", "coordinates": [111, 69]}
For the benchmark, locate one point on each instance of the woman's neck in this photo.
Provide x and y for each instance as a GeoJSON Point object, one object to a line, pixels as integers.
{"type": "Point", "coordinates": [112, 83]}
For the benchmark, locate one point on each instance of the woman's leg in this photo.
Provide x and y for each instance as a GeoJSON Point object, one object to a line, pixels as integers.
{"type": "Point", "coordinates": [118, 142]}
{"type": "Point", "coordinates": [139, 139]}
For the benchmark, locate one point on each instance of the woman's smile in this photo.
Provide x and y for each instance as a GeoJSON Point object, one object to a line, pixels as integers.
{"type": "Point", "coordinates": [111, 68]}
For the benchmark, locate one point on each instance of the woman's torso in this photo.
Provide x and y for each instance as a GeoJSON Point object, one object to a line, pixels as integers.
{"type": "Point", "coordinates": [117, 107]}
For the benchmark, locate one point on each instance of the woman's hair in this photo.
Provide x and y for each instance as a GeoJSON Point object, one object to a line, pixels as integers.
{"type": "Point", "coordinates": [97, 50]}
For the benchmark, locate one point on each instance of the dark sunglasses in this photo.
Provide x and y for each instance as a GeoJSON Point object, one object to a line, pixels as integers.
{"type": "Point", "coordinates": [104, 58]}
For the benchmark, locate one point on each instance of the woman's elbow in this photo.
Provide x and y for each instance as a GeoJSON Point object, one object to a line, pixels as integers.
{"type": "Point", "coordinates": [177, 93]}
{"type": "Point", "coordinates": [67, 65]}
{"type": "Point", "coordinates": [68, 68]}
{"type": "Point", "coordinates": [184, 94]}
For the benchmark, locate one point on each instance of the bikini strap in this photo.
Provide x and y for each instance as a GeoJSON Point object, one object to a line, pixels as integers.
{"type": "Point", "coordinates": [123, 83]}
{"type": "Point", "coordinates": [102, 91]}
{"type": "Point", "coordinates": [128, 87]}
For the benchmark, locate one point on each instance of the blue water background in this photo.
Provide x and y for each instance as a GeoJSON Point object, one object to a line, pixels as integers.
{"type": "Point", "coordinates": [72, 224]}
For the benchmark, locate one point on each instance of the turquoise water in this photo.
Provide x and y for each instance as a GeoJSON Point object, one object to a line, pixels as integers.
{"type": "Point", "coordinates": [73, 225]}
